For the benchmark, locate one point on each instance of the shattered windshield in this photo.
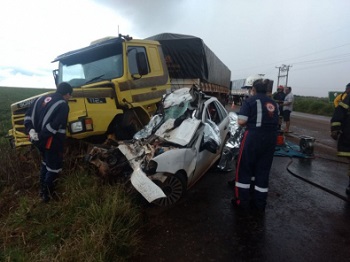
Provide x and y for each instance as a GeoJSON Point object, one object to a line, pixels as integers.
{"type": "Point", "coordinates": [176, 110]}
{"type": "Point", "coordinates": [92, 66]}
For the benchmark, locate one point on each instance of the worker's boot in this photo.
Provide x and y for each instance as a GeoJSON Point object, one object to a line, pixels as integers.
{"type": "Point", "coordinates": [44, 193]}
{"type": "Point", "coordinates": [348, 188]}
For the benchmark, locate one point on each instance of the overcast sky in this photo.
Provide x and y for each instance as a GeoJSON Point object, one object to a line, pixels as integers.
{"type": "Point", "coordinates": [249, 36]}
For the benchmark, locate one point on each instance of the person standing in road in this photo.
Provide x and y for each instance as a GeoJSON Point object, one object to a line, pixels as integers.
{"type": "Point", "coordinates": [46, 121]}
{"type": "Point", "coordinates": [279, 98]}
{"type": "Point", "coordinates": [287, 107]}
{"type": "Point", "coordinates": [259, 114]}
{"type": "Point", "coordinates": [340, 131]}
{"type": "Point", "coordinates": [341, 96]}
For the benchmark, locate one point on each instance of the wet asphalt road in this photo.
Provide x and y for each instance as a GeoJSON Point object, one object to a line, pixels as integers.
{"type": "Point", "coordinates": [307, 216]}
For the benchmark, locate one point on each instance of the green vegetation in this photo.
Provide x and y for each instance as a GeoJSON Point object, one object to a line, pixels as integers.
{"type": "Point", "coordinates": [313, 105]}
{"type": "Point", "coordinates": [91, 220]}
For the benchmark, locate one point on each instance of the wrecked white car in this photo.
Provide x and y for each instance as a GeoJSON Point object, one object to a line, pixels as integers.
{"type": "Point", "coordinates": [173, 151]}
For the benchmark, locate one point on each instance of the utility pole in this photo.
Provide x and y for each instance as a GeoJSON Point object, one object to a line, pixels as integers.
{"type": "Point", "coordinates": [283, 73]}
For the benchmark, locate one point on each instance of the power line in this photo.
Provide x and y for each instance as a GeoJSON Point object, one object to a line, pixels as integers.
{"type": "Point", "coordinates": [298, 57]}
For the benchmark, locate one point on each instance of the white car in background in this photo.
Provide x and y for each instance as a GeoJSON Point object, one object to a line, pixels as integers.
{"type": "Point", "coordinates": [174, 150]}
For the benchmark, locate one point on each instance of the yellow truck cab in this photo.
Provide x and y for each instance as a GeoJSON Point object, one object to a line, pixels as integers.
{"type": "Point", "coordinates": [116, 82]}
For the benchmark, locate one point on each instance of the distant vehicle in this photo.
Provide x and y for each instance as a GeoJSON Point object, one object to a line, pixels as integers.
{"type": "Point", "coordinates": [173, 151]}
{"type": "Point", "coordinates": [118, 81]}
{"type": "Point", "coordinates": [240, 88]}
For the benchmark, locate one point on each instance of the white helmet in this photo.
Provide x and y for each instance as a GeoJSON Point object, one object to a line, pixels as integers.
{"type": "Point", "coordinates": [251, 79]}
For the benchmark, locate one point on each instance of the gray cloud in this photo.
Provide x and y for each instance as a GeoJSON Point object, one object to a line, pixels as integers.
{"type": "Point", "coordinates": [257, 36]}
{"type": "Point", "coordinates": [249, 36]}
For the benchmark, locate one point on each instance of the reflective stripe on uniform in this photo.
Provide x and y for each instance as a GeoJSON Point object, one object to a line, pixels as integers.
{"type": "Point", "coordinates": [241, 185]}
{"type": "Point", "coordinates": [342, 104]}
{"type": "Point", "coordinates": [53, 170]}
{"type": "Point", "coordinates": [34, 110]}
{"type": "Point", "coordinates": [50, 129]}
{"type": "Point", "coordinates": [260, 189]}
{"type": "Point", "coordinates": [335, 124]}
{"type": "Point", "coordinates": [27, 118]}
{"type": "Point", "coordinates": [61, 131]}
{"type": "Point", "coordinates": [50, 111]}
{"type": "Point", "coordinates": [258, 113]}
{"type": "Point", "coordinates": [341, 153]}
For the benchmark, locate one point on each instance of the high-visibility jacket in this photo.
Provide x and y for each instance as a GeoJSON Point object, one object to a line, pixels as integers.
{"type": "Point", "coordinates": [48, 117]}
{"type": "Point", "coordinates": [339, 98]}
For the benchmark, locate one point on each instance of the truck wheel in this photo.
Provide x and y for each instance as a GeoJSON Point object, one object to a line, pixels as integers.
{"type": "Point", "coordinates": [132, 123]}
{"type": "Point", "coordinates": [173, 187]}
{"type": "Point", "coordinates": [125, 125]}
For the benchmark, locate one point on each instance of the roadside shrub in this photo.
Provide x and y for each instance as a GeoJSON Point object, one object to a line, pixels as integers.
{"type": "Point", "coordinates": [313, 105]}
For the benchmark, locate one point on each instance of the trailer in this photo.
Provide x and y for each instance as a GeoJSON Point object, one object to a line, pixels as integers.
{"type": "Point", "coordinates": [191, 62]}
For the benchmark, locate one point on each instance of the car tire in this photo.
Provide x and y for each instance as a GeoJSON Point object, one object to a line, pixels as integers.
{"type": "Point", "coordinates": [174, 187]}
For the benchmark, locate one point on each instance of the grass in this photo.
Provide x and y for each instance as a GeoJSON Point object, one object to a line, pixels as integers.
{"type": "Point", "coordinates": [92, 220]}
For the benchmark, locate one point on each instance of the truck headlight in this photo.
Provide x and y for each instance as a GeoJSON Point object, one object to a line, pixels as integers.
{"type": "Point", "coordinates": [82, 125]}
{"type": "Point", "coordinates": [76, 127]}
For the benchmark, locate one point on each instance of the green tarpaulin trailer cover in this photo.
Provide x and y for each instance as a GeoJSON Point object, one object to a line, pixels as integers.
{"type": "Point", "coordinates": [188, 57]}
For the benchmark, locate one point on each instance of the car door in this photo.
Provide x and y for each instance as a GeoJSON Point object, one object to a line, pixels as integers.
{"type": "Point", "coordinates": [206, 159]}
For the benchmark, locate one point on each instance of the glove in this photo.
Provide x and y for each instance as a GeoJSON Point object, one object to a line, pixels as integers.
{"type": "Point", "coordinates": [335, 134]}
{"type": "Point", "coordinates": [33, 135]}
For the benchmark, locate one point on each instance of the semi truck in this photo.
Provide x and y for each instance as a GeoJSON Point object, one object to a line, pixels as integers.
{"type": "Point", "coordinates": [118, 82]}
{"type": "Point", "coordinates": [240, 88]}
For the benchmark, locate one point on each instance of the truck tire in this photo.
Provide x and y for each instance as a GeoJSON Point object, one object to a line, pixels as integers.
{"type": "Point", "coordinates": [125, 126]}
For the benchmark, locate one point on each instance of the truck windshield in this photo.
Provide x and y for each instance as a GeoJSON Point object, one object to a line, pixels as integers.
{"type": "Point", "coordinates": [92, 66]}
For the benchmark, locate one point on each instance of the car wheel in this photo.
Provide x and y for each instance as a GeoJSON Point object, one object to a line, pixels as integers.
{"type": "Point", "coordinates": [173, 187]}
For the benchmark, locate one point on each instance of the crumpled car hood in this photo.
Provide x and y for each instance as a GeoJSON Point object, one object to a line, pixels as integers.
{"type": "Point", "coordinates": [162, 141]}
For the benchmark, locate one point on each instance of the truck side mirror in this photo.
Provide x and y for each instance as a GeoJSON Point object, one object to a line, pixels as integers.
{"type": "Point", "coordinates": [55, 76]}
{"type": "Point", "coordinates": [142, 65]}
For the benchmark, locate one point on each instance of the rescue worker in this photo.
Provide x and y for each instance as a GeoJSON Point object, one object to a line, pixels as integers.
{"type": "Point", "coordinates": [46, 121]}
{"type": "Point", "coordinates": [259, 114]}
{"type": "Point", "coordinates": [279, 98]}
{"type": "Point", "coordinates": [340, 130]}
{"type": "Point", "coordinates": [341, 96]}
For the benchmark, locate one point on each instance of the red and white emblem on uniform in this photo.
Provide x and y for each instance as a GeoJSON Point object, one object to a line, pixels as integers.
{"type": "Point", "coordinates": [270, 107]}
{"type": "Point", "coordinates": [46, 100]}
